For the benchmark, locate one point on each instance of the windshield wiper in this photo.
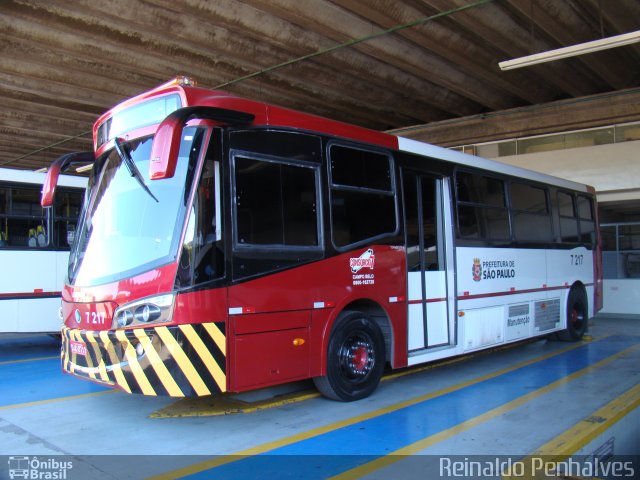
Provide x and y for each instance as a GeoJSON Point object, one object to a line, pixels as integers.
{"type": "Point", "coordinates": [131, 165]}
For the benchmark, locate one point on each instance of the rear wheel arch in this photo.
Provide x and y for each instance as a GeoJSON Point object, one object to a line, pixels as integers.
{"type": "Point", "coordinates": [577, 314]}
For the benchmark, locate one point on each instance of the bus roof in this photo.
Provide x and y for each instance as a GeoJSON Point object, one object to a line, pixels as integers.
{"type": "Point", "coordinates": [31, 177]}
{"type": "Point", "coordinates": [270, 115]}
{"type": "Point", "coordinates": [433, 151]}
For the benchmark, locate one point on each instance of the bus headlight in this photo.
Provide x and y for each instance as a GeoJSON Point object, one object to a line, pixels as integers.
{"type": "Point", "coordinates": [158, 309]}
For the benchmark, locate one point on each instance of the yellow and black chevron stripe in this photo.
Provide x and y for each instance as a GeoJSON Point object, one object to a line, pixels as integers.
{"type": "Point", "coordinates": [179, 361]}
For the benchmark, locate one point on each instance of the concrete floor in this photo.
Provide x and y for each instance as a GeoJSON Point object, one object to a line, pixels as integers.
{"type": "Point", "coordinates": [509, 402]}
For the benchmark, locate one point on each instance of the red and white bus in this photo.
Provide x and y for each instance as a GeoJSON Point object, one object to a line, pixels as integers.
{"type": "Point", "coordinates": [226, 245]}
{"type": "Point", "coordinates": [34, 249]}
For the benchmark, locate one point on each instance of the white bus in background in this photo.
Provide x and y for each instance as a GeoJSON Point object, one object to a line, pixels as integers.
{"type": "Point", "coordinates": [34, 249]}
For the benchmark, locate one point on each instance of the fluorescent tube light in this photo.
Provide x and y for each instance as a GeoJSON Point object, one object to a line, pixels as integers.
{"type": "Point", "coordinates": [572, 51]}
{"type": "Point", "coordinates": [84, 168]}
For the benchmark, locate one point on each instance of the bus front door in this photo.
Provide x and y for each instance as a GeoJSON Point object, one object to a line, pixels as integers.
{"type": "Point", "coordinates": [428, 314]}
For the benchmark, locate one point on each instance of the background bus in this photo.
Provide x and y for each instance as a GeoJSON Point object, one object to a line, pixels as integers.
{"type": "Point", "coordinates": [34, 249]}
{"type": "Point", "coordinates": [229, 245]}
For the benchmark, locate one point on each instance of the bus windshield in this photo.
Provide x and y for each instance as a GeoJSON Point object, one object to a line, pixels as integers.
{"type": "Point", "coordinates": [123, 230]}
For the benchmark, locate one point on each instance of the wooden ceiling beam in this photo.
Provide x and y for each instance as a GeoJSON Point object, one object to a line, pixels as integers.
{"type": "Point", "coordinates": [566, 115]}
{"type": "Point", "coordinates": [509, 37]}
{"type": "Point", "coordinates": [567, 23]}
{"type": "Point", "coordinates": [338, 24]}
{"type": "Point", "coordinates": [449, 43]}
{"type": "Point", "coordinates": [303, 85]}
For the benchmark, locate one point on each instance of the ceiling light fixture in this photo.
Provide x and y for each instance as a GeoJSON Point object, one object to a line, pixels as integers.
{"type": "Point", "coordinates": [572, 51]}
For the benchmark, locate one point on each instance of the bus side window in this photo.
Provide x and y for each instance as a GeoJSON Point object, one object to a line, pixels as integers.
{"type": "Point", "coordinates": [66, 210]}
{"type": "Point", "coordinates": [530, 213]}
{"type": "Point", "coordinates": [22, 219]}
{"type": "Point", "coordinates": [568, 218]}
{"type": "Point", "coordinates": [587, 222]}
{"type": "Point", "coordinates": [363, 206]}
{"type": "Point", "coordinates": [202, 254]}
{"type": "Point", "coordinates": [482, 208]}
{"type": "Point", "coordinates": [4, 222]}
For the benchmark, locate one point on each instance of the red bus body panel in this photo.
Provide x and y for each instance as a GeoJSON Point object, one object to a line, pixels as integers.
{"type": "Point", "coordinates": [315, 294]}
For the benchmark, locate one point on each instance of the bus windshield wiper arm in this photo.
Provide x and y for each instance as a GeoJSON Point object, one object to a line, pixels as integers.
{"type": "Point", "coordinates": [131, 165]}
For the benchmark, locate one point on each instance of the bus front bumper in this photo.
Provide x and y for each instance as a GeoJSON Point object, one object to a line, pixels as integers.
{"type": "Point", "coordinates": [176, 361]}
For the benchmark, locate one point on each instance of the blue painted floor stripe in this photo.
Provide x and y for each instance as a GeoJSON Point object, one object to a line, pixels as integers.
{"type": "Point", "coordinates": [25, 376]}
{"type": "Point", "coordinates": [39, 380]}
{"type": "Point", "coordinates": [24, 347]}
{"type": "Point", "coordinates": [355, 445]}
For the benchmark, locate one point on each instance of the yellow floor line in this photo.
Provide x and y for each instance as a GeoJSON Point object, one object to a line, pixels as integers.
{"type": "Point", "coordinates": [54, 400]}
{"type": "Point", "coordinates": [416, 447]}
{"type": "Point", "coordinates": [560, 448]}
{"type": "Point", "coordinates": [219, 405]}
{"type": "Point", "coordinates": [9, 362]}
{"type": "Point", "coordinates": [222, 460]}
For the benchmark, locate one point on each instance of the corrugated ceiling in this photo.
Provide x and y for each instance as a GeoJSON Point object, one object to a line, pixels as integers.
{"type": "Point", "coordinates": [62, 63]}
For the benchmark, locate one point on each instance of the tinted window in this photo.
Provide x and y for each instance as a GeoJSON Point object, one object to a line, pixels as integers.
{"type": "Point", "coordinates": [585, 208]}
{"type": "Point", "coordinates": [357, 216]}
{"type": "Point", "coordinates": [530, 213]}
{"type": "Point", "coordinates": [528, 199]}
{"type": "Point", "coordinates": [275, 203]}
{"type": "Point", "coordinates": [22, 220]}
{"type": "Point", "coordinates": [26, 201]}
{"type": "Point", "coordinates": [360, 168]}
{"type": "Point", "coordinates": [4, 200]}
{"type": "Point", "coordinates": [528, 227]}
{"type": "Point", "coordinates": [568, 221]}
{"type": "Point", "coordinates": [362, 196]}
{"type": "Point", "coordinates": [587, 224]}
{"type": "Point", "coordinates": [66, 211]}
{"type": "Point", "coordinates": [289, 145]}
{"type": "Point", "coordinates": [482, 211]}
{"type": "Point", "coordinates": [565, 205]}
{"type": "Point", "coordinates": [480, 189]}
{"type": "Point", "coordinates": [481, 223]}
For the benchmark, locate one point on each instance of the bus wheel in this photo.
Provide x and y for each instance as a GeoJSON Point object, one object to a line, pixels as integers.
{"type": "Point", "coordinates": [355, 359]}
{"type": "Point", "coordinates": [577, 316]}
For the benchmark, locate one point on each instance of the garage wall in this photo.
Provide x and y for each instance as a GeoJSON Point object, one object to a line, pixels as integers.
{"type": "Point", "coordinates": [614, 169]}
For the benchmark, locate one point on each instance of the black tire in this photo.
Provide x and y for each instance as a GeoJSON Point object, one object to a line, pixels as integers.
{"type": "Point", "coordinates": [577, 316]}
{"type": "Point", "coordinates": [355, 359]}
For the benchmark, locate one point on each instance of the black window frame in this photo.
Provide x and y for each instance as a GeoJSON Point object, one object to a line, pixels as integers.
{"type": "Point", "coordinates": [47, 218]}
{"type": "Point", "coordinates": [574, 217]}
{"type": "Point", "coordinates": [54, 241]}
{"type": "Point", "coordinates": [266, 248]}
{"type": "Point", "coordinates": [582, 235]}
{"type": "Point", "coordinates": [392, 192]}
{"type": "Point", "coordinates": [505, 208]}
{"type": "Point", "coordinates": [513, 211]}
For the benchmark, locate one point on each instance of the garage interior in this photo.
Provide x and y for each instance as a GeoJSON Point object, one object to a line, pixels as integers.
{"type": "Point", "coordinates": [426, 70]}
{"type": "Point", "coordinates": [423, 69]}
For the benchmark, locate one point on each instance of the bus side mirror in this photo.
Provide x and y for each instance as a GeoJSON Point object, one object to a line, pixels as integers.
{"type": "Point", "coordinates": [166, 146]}
{"type": "Point", "coordinates": [49, 186]}
{"type": "Point", "coordinates": [58, 166]}
{"type": "Point", "coordinates": [166, 142]}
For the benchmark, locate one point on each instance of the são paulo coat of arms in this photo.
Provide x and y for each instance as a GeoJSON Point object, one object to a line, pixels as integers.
{"type": "Point", "coordinates": [477, 270]}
